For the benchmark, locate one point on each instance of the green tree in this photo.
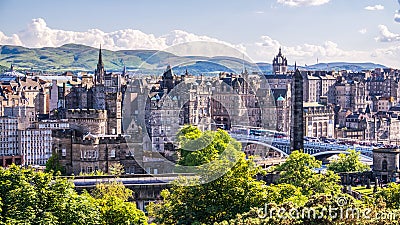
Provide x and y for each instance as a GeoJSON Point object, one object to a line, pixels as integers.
{"type": "Point", "coordinates": [299, 170]}
{"type": "Point", "coordinates": [282, 193]}
{"type": "Point", "coordinates": [235, 192]}
{"type": "Point", "coordinates": [390, 195]}
{"type": "Point", "coordinates": [228, 184]}
{"type": "Point", "coordinates": [30, 197]}
{"type": "Point", "coordinates": [114, 207]}
{"type": "Point", "coordinates": [112, 189]}
{"type": "Point", "coordinates": [53, 164]}
{"type": "Point", "coordinates": [348, 163]}
{"type": "Point", "coordinates": [117, 169]}
{"type": "Point", "coordinates": [198, 148]}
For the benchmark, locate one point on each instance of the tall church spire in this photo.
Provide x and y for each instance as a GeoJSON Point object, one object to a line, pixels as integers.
{"type": "Point", "coordinates": [99, 72]}
{"type": "Point", "coordinates": [100, 58]}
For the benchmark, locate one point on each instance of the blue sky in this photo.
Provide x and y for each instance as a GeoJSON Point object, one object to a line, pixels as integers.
{"type": "Point", "coordinates": [330, 30]}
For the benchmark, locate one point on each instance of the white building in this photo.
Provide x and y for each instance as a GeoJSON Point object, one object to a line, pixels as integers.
{"type": "Point", "coordinates": [8, 141]}
{"type": "Point", "coordinates": [35, 146]}
{"type": "Point", "coordinates": [35, 142]}
{"type": "Point", "coordinates": [8, 136]}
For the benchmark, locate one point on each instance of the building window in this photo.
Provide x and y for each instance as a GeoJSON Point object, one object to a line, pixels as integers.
{"type": "Point", "coordinates": [112, 154]}
{"type": "Point", "coordinates": [384, 165]}
{"type": "Point", "coordinates": [63, 152]}
{"type": "Point", "coordinates": [89, 169]}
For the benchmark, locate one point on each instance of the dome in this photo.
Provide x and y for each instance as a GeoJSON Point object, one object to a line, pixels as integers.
{"type": "Point", "coordinates": [280, 98]}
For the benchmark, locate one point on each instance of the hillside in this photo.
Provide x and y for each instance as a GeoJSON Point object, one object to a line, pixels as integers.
{"type": "Point", "coordinates": [73, 57]}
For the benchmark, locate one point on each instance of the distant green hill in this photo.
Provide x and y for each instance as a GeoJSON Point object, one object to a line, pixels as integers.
{"type": "Point", "coordinates": [345, 66]}
{"type": "Point", "coordinates": [68, 57]}
{"type": "Point", "coordinates": [74, 57]}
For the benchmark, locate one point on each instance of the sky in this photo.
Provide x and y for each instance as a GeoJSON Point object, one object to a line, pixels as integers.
{"type": "Point", "coordinates": [307, 30]}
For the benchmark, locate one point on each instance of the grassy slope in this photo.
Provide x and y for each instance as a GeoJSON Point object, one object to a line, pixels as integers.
{"type": "Point", "coordinates": [79, 57]}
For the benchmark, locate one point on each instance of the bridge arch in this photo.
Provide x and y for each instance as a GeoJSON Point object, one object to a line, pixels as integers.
{"type": "Point", "coordinates": [264, 144]}
{"type": "Point", "coordinates": [338, 152]}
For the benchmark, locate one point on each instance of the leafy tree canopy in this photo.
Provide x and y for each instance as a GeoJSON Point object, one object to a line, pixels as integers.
{"type": "Point", "coordinates": [348, 163]}
{"type": "Point", "coordinates": [299, 170]}
{"type": "Point", "coordinates": [30, 197]}
{"type": "Point", "coordinates": [228, 184]}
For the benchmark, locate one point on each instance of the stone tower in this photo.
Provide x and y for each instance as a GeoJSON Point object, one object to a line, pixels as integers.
{"type": "Point", "coordinates": [279, 64]}
{"type": "Point", "coordinates": [168, 79]}
{"type": "Point", "coordinates": [297, 125]}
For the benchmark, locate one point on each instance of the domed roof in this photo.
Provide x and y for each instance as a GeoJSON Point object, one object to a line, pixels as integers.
{"type": "Point", "coordinates": [280, 98]}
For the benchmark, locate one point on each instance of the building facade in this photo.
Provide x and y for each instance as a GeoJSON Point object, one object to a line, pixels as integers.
{"type": "Point", "coordinates": [9, 152]}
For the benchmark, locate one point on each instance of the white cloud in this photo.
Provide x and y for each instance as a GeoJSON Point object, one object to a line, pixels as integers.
{"type": "Point", "coordinates": [375, 7]}
{"type": "Point", "coordinates": [303, 2]}
{"type": "Point", "coordinates": [38, 34]}
{"type": "Point", "coordinates": [268, 42]}
{"type": "Point", "coordinates": [13, 40]}
{"type": "Point", "coordinates": [386, 35]}
{"type": "Point", "coordinates": [363, 31]}
{"type": "Point", "coordinates": [327, 51]}
{"type": "Point", "coordinates": [328, 48]}
{"type": "Point", "coordinates": [259, 12]}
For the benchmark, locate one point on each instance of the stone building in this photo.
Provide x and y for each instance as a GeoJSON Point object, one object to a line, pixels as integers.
{"type": "Point", "coordinates": [318, 120]}
{"type": "Point", "coordinates": [80, 153]}
{"type": "Point", "coordinates": [312, 87]}
{"type": "Point", "coordinates": [95, 139]}
{"type": "Point", "coordinates": [20, 90]}
{"type": "Point", "coordinates": [102, 97]}
{"type": "Point", "coordinates": [386, 164]}
{"type": "Point", "coordinates": [351, 95]}
{"type": "Point", "coordinates": [384, 85]}
{"type": "Point", "coordinates": [206, 102]}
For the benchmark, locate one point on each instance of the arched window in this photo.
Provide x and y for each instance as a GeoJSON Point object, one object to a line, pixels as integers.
{"type": "Point", "coordinates": [384, 165]}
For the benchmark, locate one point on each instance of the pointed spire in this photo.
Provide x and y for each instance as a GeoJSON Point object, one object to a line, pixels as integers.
{"type": "Point", "coordinates": [280, 51]}
{"type": "Point", "coordinates": [12, 68]}
{"type": "Point", "coordinates": [100, 62]}
{"type": "Point", "coordinates": [295, 65]}
{"type": "Point", "coordinates": [99, 72]}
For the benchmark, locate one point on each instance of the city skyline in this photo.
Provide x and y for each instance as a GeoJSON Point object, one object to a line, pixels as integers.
{"type": "Point", "coordinates": [309, 31]}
